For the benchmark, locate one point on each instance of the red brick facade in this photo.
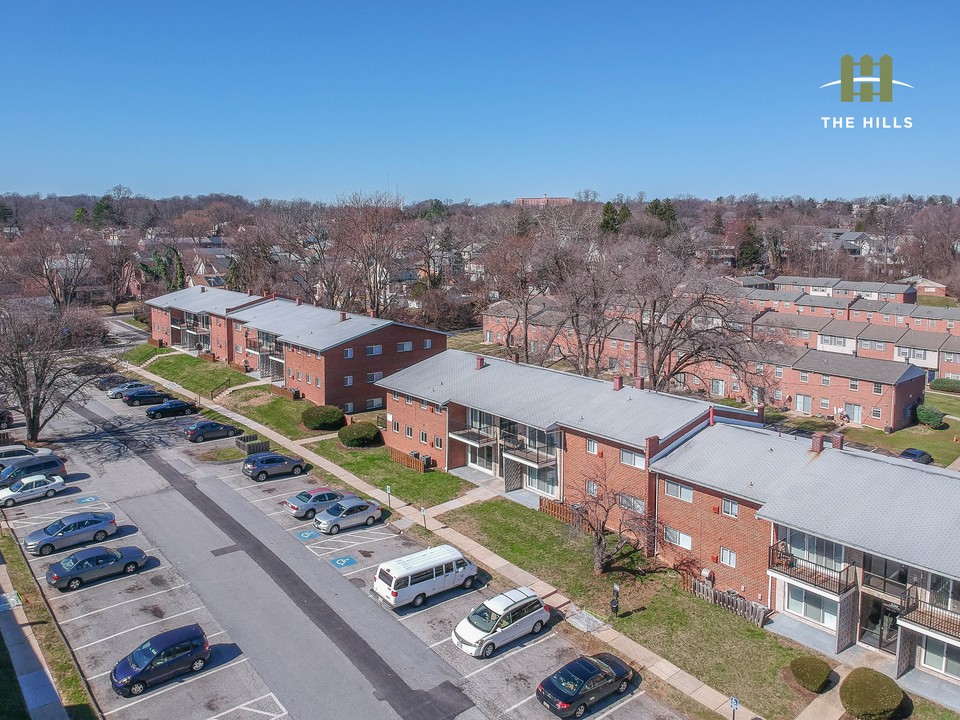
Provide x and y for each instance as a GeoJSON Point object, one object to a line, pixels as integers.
{"type": "Point", "coordinates": [421, 427]}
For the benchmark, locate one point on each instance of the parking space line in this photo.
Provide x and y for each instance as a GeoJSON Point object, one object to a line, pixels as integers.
{"type": "Point", "coordinates": [48, 518]}
{"type": "Point", "coordinates": [138, 627]}
{"type": "Point", "coordinates": [276, 512]}
{"type": "Point", "coordinates": [157, 693]}
{"type": "Point", "coordinates": [51, 598]}
{"type": "Point", "coordinates": [619, 705]}
{"type": "Point", "coordinates": [227, 477]}
{"type": "Point", "coordinates": [365, 542]}
{"type": "Point", "coordinates": [109, 607]}
{"type": "Point", "coordinates": [508, 654]}
{"type": "Point", "coordinates": [300, 523]}
{"type": "Point", "coordinates": [431, 605]}
{"type": "Point", "coordinates": [516, 705]}
{"type": "Point", "coordinates": [243, 706]}
{"type": "Point", "coordinates": [269, 497]}
{"type": "Point", "coordinates": [440, 642]}
{"type": "Point", "coordinates": [354, 572]}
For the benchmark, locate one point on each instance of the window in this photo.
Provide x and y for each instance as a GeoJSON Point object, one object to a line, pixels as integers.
{"type": "Point", "coordinates": [423, 436]}
{"type": "Point", "coordinates": [856, 313]}
{"type": "Point", "coordinates": [854, 384]}
{"type": "Point", "coordinates": [629, 502]}
{"type": "Point", "coordinates": [428, 343]}
{"type": "Point", "coordinates": [932, 323]}
{"type": "Point", "coordinates": [879, 345]}
{"type": "Point", "coordinates": [372, 377]}
{"type": "Point", "coordinates": [869, 316]}
{"type": "Point", "coordinates": [628, 457]}
{"type": "Point", "coordinates": [717, 363]}
{"type": "Point", "coordinates": [824, 379]}
{"type": "Point", "coordinates": [405, 346]}
{"type": "Point", "coordinates": [290, 372]}
{"type": "Point", "coordinates": [886, 318]}
{"type": "Point", "coordinates": [941, 657]}
{"type": "Point", "coordinates": [423, 404]}
{"type": "Point", "coordinates": [675, 537]}
{"type": "Point", "coordinates": [374, 403]}
{"type": "Point", "coordinates": [613, 344]}
{"type": "Point", "coordinates": [396, 426]}
{"type": "Point", "coordinates": [409, 431]}
{"type": "Point", "coordinates": [758, 368]}
{"type": "Point", "coordinates": [347, 353]}
{"type": "Point", "coordinates": [813, 607]}
{"type": "Point", "coordinates": [875, 413]}
{"type": "Point", "coordinates": [438, 442]}
{"type": "Point", "coordinates": [729, 507]}
{"type": "Point", "coordinates": [805, 334]}
{"type": "Point", "coordinates": [676, 490]}
{"type": "Point", "coordinates": [299, 376]}
{"type": "Point", "coordinates": [918, 322]}
{"type": "Point", "coordinates": [626, 344]}
{"type": "Point", "coordinates": [409, 399]}
{"type": "Point", "coordinates": [864, 344]}
{"type": "Point", "coordinates": [825, 403]}
{"type": "Point", "coordinates": [591, 488]}
{"type": "Point", "coordinates": [317, 381]}
{"type": "Point", "coordinates": [778, 371]}
{"type": "Point", "coordinates": [591, 446]}
{"type": "Point", "coordinates": [395, 395]}
{"type": "Point", "coordinates": [778, 394]}
{"type": "Point", "coordinates": [238, 348]}
{"type": "Point", "coordinates": [487, 337]}
{"type": "Point", "coordinates": [347, 380]}
{"type": "Point", "coordinates": [877, 389]}
{"type": "Point", "coordinates": [374, 350]}
{"type": "Point", "coordinates": [348, 408]}
{"type": "Point", "coordinates": [899, 319]}
{"type": "Point", "coordinates": [728, 557]}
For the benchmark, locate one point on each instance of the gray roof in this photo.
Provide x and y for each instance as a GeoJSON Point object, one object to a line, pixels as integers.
{"type": "Point", "coordinates": [935, 313]}
{"type": "Point", "coordinates": [896, 308]}
{"type": "Point", "coordinates": [823, 493]}
{"type": "Point", "coordinates": [952, 344]}
{"type": "Point", "coordinates": [199, 299]}
{"type": "Point", "coordinates": [824, 301]}
{"type": "Point", "coordinates": [801, 280]}
{"type": "Point", "coordinates": [782, 295]}
{"type": "Point", "coordinates": [922, 340]}
{"type": "Point", "coordinates": [883, 333]}
{"type": "Point", "coordinates": [750, 280]}
{"type": "Point", "coordinates": [786, 320]}
{"type": "Point", "coordinates": [545, 398]}
{"type": "Point", "coordinates": [867, 304]}
{"type": "Point", "coordinates": [843, 328]}
{"type": "Point", "coordinates": [858, 286]}
{"type": "Point", "coordinates": [888, 372]}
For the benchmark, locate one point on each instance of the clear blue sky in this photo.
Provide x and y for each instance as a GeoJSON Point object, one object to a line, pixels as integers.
{"type": "Point", "coordinates": [480, 100]}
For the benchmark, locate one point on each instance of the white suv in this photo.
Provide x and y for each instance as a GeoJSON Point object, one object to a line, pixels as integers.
{"type": "Point", "coordinates": [501, 620]}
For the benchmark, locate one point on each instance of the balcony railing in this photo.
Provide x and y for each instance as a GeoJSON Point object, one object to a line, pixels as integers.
{"type": "Point", "coordinates": [931, 615]}
{"type": "Point", "coordinates": [833, 581]}
{"type": "Point", "coordinates": [520, 447]}
{"type": "Point", "coordinates": [474, 435]}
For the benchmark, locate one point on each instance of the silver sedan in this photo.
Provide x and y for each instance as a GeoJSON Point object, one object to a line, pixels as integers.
{"type": "Point", "coordinates": [310, 502]}
{"type": "Point", "coordinates": [349, 512]}
{"type": "Point", "coordinates": [29, 488]}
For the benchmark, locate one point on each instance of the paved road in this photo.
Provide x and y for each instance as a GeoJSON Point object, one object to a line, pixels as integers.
{"type": "Point", "coordinates": [125, 335]}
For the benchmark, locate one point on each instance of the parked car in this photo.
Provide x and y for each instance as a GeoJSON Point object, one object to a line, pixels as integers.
{"type": "Point", "coordinates": [120, 390]}
{"type": "Point", "coordinates": [918, 456]}
{"type": "Point", "coordinates": [144, 396]}
{"type": "Point", "coordinates": [582, 683]}
{"type": "Point", "coordinates": [94, 563]}
{"type": "Point", "coordinates": [209, 430]}
{"type": "Point", "coordinates": [260, 466]}
{"type": "Point", "coordinates": [110, 381]}
{"type": "Point", "coordinates": [161, 657]}
{"type": "Point", "coordinates": [30, 488]}
{"type": "Point", "coordinates": [349, 512]}
{"type": "Point", "coordinates": [71, 530]}
{"type": "Point", "coordinates": [36, 465]}
{"type": "Point", "coordinates": [6, 418]}
{"type": "Point", "coordinates": [310, 502]}
{"type": "Point", "coordinates": [11, 453]}
{"type": "Point", "coordinates": [172, 408]}
{"type": "Point", "coordinates": [501, 620]}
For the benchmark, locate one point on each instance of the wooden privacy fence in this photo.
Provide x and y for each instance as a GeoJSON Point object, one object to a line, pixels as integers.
{"type": "Point", "coordinates": [754, 612]}
{"type": "Point", "coordinates": [558, 510]}
{"type": "Point", "coordinates": [407, 460]}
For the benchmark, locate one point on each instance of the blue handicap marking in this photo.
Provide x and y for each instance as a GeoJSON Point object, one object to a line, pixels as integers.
{"type": "Point", "coordinates": [342, 562]}
{"type": "Point", "coordinates": [305, 535]}
{"type": "Point", "coordinates": [87, 499]}
{"type": "Point", "coordinates": [735, 703]}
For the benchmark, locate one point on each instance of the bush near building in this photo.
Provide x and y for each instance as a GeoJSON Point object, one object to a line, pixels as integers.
{"type": "Point", "coordinates": [811, 673]}
{"type": "Point", "coordinates": [361, 434]}
{"type": "Point", "coordinates": [870, 695]}
{"type": "Point", "coordinates": [323, 417]}
{"type": "Point", "coordinates": [930, 416]}
{"type": "Point", "coordinates": [946, 385]}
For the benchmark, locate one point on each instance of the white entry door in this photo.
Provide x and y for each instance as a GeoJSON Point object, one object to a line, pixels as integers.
{"type": "Point", "coordinates": [803, 403]}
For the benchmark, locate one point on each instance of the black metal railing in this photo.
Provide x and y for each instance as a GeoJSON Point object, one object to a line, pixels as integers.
{"type": "Point", "coordinates": [520, 446]}
{"type": "Point", "coordinates": [835, 581]}
{"type": "Point", "coordinates": [475, 434]}
{"type": "Point", "coordinates": [934, 614]}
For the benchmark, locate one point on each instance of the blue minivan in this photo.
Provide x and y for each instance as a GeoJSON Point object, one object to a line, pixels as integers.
{"type": "Point", "coordinates": [160, 658]}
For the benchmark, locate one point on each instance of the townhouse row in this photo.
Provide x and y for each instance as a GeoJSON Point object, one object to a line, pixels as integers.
{"type": "Point", "coordinates": [780, 520]}
{"type": "Point", "coordinates": [329, 357]}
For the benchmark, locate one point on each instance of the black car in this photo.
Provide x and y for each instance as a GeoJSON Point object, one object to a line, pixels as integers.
{"type": "Point", "coordinates": [109, 381]}
{"type": "Point", "coordinates": [209, 430]}
{"type": "Point", "coordinates": [161, 657]}
{"type": "Point", "coordinates": [145, 396]}
{"type": "Point", "coordinates": [584, 682]}
{"type": "Point", "coordinates": [918, 456]}
{"type": "Point", "coordinates": [171, 408]}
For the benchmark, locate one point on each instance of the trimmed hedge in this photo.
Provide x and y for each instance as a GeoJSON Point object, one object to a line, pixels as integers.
{"type": "Point", "coordinates": [946, 385]}
{"type": "Point", "coordinates": [930, 416]}
{"type": "Point", "coordinates": [811, 673]}
{"type": "Point", "coordinates": [870, 695]}
{"type": "Point", "coordinates": [361, 434]}
{"type": "Point", "coordinates": [323, 417]}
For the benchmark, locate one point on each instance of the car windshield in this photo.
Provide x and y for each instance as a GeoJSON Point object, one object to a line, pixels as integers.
{"type": "Point", "coordinates": [567, 681]}
{"type": "Point", "coordinates": [336, 510]}
{"type": "Point", "coordinates": [68, 562]}
{"type": "Point", "coordinates": [142, 656]}
{"type": "Point", "coordinates": [54, 528]}
{"type": "Point", "coordinates": [483, 618]}
{"type": "Point", "coordinates": [304, 497]}
{"type": "Point", "coordinates": [17, 486]}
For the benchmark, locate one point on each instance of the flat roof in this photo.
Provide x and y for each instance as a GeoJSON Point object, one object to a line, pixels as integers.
{"type": "Point", "coordinates": [889, 372]}
{"type": "Point", "coordinates": [200, 299]}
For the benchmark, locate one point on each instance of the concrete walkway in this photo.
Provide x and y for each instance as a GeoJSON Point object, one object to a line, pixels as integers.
{"type": "Point", "coordinates": [827, 706]}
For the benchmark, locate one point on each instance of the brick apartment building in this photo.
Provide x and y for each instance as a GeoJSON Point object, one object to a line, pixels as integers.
{"type": "Point", "coordinates": [330, 357]}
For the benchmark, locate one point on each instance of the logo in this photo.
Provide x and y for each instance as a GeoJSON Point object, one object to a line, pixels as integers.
{"type": "Point", "coordinates": [866, 85]}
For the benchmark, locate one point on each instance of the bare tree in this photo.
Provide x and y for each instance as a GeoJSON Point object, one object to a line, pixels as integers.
{"type": "Point", "coordinates": [56, 258]}
{"type": "Point", "coordinates": [113, 261]}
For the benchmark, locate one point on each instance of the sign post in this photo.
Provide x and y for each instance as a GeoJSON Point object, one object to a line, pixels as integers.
{"type": "Point", "coordinates": [734, 705]}
{"type": "Point", "coordinates": [423, 512]}
{"type": "Point", "coordinates": [389, 491]}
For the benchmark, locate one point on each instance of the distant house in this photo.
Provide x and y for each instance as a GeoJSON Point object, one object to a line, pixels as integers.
{"type": "Point", "coordinates": [925, 287]}
{"type": "Point", "coordinates": [542, 202]}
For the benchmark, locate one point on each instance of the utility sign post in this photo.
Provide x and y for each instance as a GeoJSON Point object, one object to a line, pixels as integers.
{"type": "Point", "coordinates": [734, 705]}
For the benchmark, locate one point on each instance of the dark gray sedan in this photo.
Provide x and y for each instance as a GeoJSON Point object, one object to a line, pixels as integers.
{"type": "Point", "coordinates": [71, 530]}
{"type": "Point", "coordinates": [92, 564]}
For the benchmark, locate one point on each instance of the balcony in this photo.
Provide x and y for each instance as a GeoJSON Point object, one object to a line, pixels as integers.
{"type": "Point", "coordinates": [521, 449]}
{"type": "Point", "coordinates": [836, 582]}
{"type": "Point", "coordinates": [926, 615]}
{"type": "Point", "coordinates": [478, 436]}
{"type": "Point", "coordinates": [268, 348]}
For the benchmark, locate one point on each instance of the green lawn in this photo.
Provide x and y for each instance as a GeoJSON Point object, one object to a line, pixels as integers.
{"type": "Point", "coordinates": [938, 443]}
{"type": "Point", "coordinates": [276, 412]}
{"type": "Point", "coordinates": [655, 611]}
{"type": "Point", "coordinates": [196, 375]}
{"type": "Point", "coordinates": [222, 454]}
{"type": "Point", "coordinates": [375, 466]}
{"type": "Point", "coordinates": [945, 402]}
{"type": "Point", "coordinates": [810, 424]}
{"type": "Point", "coordinates": [133, 322]}
{"type": "Point", "coordinates": [66, 676]}
{"type": "Point", "coordinates": [936, 301]}
{"type": "Point", "coordinates": [142, 353]}
{"type": "Point", "coordinates": [472, 341]}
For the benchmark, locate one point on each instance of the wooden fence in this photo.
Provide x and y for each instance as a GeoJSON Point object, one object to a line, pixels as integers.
{"type": "Point", "coordinates": [754, 612]}
{"type": "Point", "coordinates": [407, 460]}
{"type": "Point", "coordinates": [155, 342]}
{"type": "Point", "coordinates": [559, 511]}
{"type": "Point", "coordinates": [289, 393]}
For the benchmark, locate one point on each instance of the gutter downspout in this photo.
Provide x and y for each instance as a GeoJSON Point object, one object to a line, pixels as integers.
{"type": "Point", "coordinates": [770, 577]}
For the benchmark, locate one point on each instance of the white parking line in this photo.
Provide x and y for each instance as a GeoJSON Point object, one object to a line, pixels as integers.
{"type": "Point", "coordinates": [51, 598]}
{"type": "Point", "coordinates": [441, 642]}
{"type": "Point", "coordinates": [354, 572]}
{"type": "Point", "coordinates": [243, 706]}
{"type": "Point", "coordinates": [269, 497]}
{"type": "Point", "coordinates": [138, 627]}
{"type": "Point", "coordinates": [619, 705]}
{"type": "Point", "coordinates": [508, 654]}
{"type": "Point", "coordinates": [156, 693]}
{"type": "Point", "coordinates": [431, 605]}
{"type": "Point", "coordinates": [345, 547]}
{"type": "Point", "coordinates": [125, 602]}
{"type": "Point", "coordinates": [227, 477]}
{"type": "Point", "coordinates": [516, 705]}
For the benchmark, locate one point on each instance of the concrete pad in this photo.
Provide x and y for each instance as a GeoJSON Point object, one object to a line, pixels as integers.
{"type": "Point", "coordinates": [403, 523]}
{"type": "Point", "coordinates": [558, 601]}
{"type": "Point", "coordinates": [542, 588]}
{"type": "Point", "coordinates": [50, 711]}
{"type": "Point", "coordinates": [707, 696]}
{"type": "Point", "coordinates": [38, 689]}
{"type": "Point", "coordinates": [634, 651]}
{"type": "Point", "coordinates": [663, 669]}
{"type": "Point", "coordinates": [496, 562]}
{"type": "Point", "coordinates": [685, 682]}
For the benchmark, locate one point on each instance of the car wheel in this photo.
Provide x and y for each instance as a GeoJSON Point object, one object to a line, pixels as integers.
{"type": "Point", "coordinates": [4, 424]}
{"type": "Point", "coordinates": [232, 433]}
{"type": "Point", "coordinates": [137, 688]}
{"type": "Point", "coordinates": [370, 520]}
{"type": "Point", "coordinates": [334, 529]}
{"type": "Point", "coordinates": [310, 514]}
{"type": "Point", "coordinates": [136, 403]}
{"type": "Point", "coordinates": [74, 583]}
{"type": "Point", "coordinates": [50, 493]}
{"type": "Point", "coordinates": [199, 438]}
{"type": "Point", "coordinates": [297, 470]}
{"type": "Point", "coordinates": [100, 536]}
{"type": "Point", "coordinates": [261, 476]}
{"type": "Point", "coordinates": [488, 650]}
{"type": "Point", "coordinates": [419, 600]}
{"type": "Point", "coordinates": [580, 711]}
{"type": "Point", "coordinates": [537, 627]}
{"type": "Point", "coordinates": [622, 687]}
{"type": "Point", "coordinates": [467, 583]}
{"type": "Point", "coordinates": [130, 568]}
{"type": "Point", "coordinates": [197, 665]}
{"type": "Point", "coordinates": [46, 549]}
{"type": "Point", "coordinates": [9, 503]}
{"type": "Point", "coordinates": [187, 411]}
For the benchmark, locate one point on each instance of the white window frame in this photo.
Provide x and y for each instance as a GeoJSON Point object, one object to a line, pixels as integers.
{"type": "Point", "coordinates": [591, 446]}
{"type": "Point", "coordinates": [728, 557]}
{"type": "Point", "coordinates": [348, 380]}
{"type": "Point", "coordinates": [374, 350]}
{"type": "Point", "coordinates": [372, 377]}
{"type": "Point", "coordinates": [428, 343]}
{"type": "Point", "coordinates": [405, 346]}
{"type": "Point", "coordinates": [347, 353]}
{"type": "Point", "coordinates": [730, 508]}
{"type": "Point", "coordinates": [679, 491]}
{"type": "Point", "coordinates": [629, 502]}
{"type": "Point", "coordinates": [408, 431]}
{"type": "Point", "coordinates": [633, 459]}
{"type": "Point", "coordinates": [675, 537]}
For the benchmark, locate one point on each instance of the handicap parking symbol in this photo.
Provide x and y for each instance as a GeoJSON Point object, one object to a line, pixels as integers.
{"type": "Point", "coordinates": [342, 562]}
{"type": "Point", "coordinates": [87, 499]}
{"type": "Point", "coordinates": [307, 535]}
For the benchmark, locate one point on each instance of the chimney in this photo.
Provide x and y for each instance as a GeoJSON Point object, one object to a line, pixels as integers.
{"type": "Point", "coordinates": [343, 316]}
{"type": "Point", "coordinates": [640, 383]}
{"type": "Point", "coordinates": [299, 301]}
{"type": "Point", "coordinates": [617, 382]}
{"type": "Point", "coordinates": [250, 291]}
{"type": "Point", "coordinates": [817, 442]}
{"type": "Point", "coordinates": [712, 419]}
{"type": "Point", "coordinates": [480, 362]}
{"type": "Point", "coordinates": [202, 289]}
{"type": "Point", "coordinates": [273, 296]}
{"type": "Point", "coordinates": [837, 440]}
{"type": "Point", "coordinates": [515, 357]}
{"type": "Point", "coordinates": [761, 408]}
{"type": "Point", "coordinates": [372, 314]}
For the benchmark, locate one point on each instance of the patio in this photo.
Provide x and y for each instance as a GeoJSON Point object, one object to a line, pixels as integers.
{"type": "Point", "coordinates": [496, 484]}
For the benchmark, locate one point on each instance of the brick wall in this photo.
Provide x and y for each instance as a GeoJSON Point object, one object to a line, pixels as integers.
{"type": "Point", "coordinates": [306, 366]}
{"type": "Point", "coordinates": [418, 418]}
{"type": "Point", "coordinates": [220, 338]}
{"type": "Point", "coordinates": [160, 325]}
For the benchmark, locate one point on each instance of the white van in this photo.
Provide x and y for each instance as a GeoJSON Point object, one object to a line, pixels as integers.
{"type": "Point", "coordinates": [413, 578]}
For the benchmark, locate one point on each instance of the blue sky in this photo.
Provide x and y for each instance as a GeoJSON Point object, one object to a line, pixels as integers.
{"type": "Point", "coordinates": [480, 100]}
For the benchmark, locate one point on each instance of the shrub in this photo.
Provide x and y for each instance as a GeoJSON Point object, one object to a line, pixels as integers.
{"type": "Point", "coordinates": [869, 695]}
{"type": "Point", "coordinates": [361, 434]}
{"type": "Point", "coordinates": [930, 416]}
{"type": "Point", "coordinates": [323, 417]}
{"type": "Point", "coordinates": [946, 385]}
{"type": "Point", "coordinates": [811, 672]}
